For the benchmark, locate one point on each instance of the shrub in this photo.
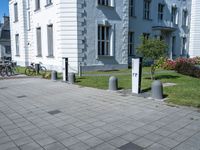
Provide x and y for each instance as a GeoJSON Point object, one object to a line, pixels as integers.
{"type": "Point", "coordinates": [169, 65]}
{"type": "Point", "coordinates": [187, 68]}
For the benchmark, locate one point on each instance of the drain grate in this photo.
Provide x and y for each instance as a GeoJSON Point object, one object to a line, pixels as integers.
{"type": "Point", "coordinates": [3, 88]}
{"type": "Point", "coordinates": [131, 146]}
{"type": "Point", "coordinates": [54, 112]}
{"type": "Point", "coordinates": [21, 96]}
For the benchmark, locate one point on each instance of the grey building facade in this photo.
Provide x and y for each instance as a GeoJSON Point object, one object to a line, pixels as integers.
{"type": "Point", "coordinates": [128, 20]}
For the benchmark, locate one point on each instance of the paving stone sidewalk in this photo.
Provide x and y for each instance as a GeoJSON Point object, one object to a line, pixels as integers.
{"type": "Point", "coordinates": [37, 114]}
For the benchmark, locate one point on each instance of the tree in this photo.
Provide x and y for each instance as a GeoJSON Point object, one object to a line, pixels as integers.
{"type": "Point", "coordinates": [152, 49]}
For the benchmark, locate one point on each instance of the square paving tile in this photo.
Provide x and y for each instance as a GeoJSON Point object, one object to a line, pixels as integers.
{"type": "Point", "coordinates": [131, 146]}
{"type": "Point", "coordinates": [54, 112]}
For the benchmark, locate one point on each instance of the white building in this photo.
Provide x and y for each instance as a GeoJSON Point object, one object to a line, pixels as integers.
{"type": "Point", "coordinates": [99, 34]}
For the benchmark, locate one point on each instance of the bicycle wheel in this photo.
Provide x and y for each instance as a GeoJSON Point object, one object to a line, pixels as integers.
{"type": "Point", "coordinates": [29, 71]}
{"type": "Point", "coordinates": [42, 70]}
{"type": "Point", "coordinates": [8, 71]}
{"type": "Point", "coordinates": [3, 72]}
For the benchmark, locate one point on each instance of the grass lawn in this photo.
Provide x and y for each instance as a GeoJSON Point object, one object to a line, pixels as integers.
{"type": "Point", "coordinates": [186, 92]}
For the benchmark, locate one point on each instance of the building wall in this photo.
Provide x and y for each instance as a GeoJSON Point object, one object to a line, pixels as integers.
{"type": "Point", "coordinates": [75, 24]}
{"type": "Point", "coordinates": [63, 16]}
{"type": "Point", "coordinates": [138, 25]}
{"type": "Point", "coordinates": [117, 18]}
{"type": "Point", "coordinates": [195, 30]}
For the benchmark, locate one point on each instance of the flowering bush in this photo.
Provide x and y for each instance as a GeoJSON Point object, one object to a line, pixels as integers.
{"type": "Point", "coordinates": [171, 64]}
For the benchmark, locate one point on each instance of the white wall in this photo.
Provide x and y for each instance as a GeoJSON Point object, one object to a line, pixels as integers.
{"type": "Point", "coordinates": [195, 29]}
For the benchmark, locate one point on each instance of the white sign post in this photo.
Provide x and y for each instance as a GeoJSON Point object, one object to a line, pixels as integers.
{"type": "Point", "coordinates": [136, 75]}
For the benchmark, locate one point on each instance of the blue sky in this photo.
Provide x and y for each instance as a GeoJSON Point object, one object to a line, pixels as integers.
{"type": "Point", "coordinates": [3, 8]}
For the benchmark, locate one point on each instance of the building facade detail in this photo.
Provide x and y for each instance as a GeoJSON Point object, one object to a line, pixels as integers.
{"type": "Point", "coordinates": [98, 34]}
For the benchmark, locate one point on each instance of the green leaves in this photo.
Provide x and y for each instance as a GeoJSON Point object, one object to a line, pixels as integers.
{"type": "Point", "coordinates": [152, 48]}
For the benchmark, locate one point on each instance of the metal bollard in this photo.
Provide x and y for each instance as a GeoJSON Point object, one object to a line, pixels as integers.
{"type": "Point", "coordinates": [157, 89]}
{"type": "Point", "coordinates": [113, 83]}
{"type": "Point", "coordinates": [54, 75]}
{"type": "Point", "coordinates": [71, 78]}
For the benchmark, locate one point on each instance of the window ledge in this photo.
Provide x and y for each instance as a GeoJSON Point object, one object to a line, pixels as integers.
{"type": "Point", "coordinates": [36, 10]}
{"type": "Point", "coordinates": [39, 56]}
{"type": "Point", "coordinates": [48, 5]}
{"type": "Point", "coordinates": [106, 6]}
{"type": "Point", "coordinates": [17, 55]}
{"type": "Point", "coordinates": [148, 19]}
{"type": "Point", "coordinates": [50, 57]}
{"type": "Point", "coordinates": [104, 56]}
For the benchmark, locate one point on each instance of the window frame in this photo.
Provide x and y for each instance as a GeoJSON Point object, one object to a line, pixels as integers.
{"type": "Point", "coordinates": [17, 52]}
{"type": "Point", "coordinates": [147, 9]}
{"type": "Point", "coordinates": [39, 41]}
{"type": "Point", "coordinates": [131, 8]}
{"type": "Point", "coordinates": [50, 41]}
{"type": "Point", "coordinates": [184, 18]}
{"type": "Point", "coordinates": [161, 12]}
{"type": "Point", "coordinates": [37, 5]}
{"type": "Point", "coordinates": [174, 15]}
{"type": "Point", "coordinates": [48, 3]}
{"type": "Point", "coordinates": [104, 42]}
{"type": "Point", "coordinates": [184, 46]}
{"type": "Point", "coordinates": [131, 43]}
{"type": "Point", "coordinates": [106, 3]}
{"type": "Point", "coordinates": [16, 13]}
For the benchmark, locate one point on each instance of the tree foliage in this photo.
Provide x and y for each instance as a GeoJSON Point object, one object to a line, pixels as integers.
{"type": "Point", "coordinates": [152, 49]}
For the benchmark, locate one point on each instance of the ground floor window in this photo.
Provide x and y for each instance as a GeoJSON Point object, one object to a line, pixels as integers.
{"type": "Point", "coordinates": [104, 40]}
{"type": "Point", "coordinates": [39, 41]}
{"type": "Point", "coordinates": [131, 43]}
{"type": "Point", "coordinates": [17, 44]}
{"type": "Point", "coordinates": [50, 40]}
{"type": "Point", "coordinates": [7, 49]}
{"type": "Point", "coordinates": [184, 46]}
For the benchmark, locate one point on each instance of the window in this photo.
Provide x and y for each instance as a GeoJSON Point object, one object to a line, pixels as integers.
{"type": "Point", "coordinates": [37, 4]}
{"type": "Point", "coordinates": [7, 50]}
{"type": "Point", "coordinates": [174, 15]}
{"type": "Point", "coordinates": [16, 12]}
{"type": "Point", "coordinates": [185, 18]}
{"type": "Point", "coordinates": [39, 42]}
{"type": "Point", "coordinates": [50, 40]}
{"type": "Point", "coordinates": [106, 2]}
{"type": "Point", "coordinates": [103, 40]}
{"type": "Point", "coordinates": [147, 4]}
{"type": "Point", "coordinates": [131, 8]}
{"type": "Point", "coordinates": [146, 35]}
{"type": "Point", "coordinates": [49, 2]}
{"type": "Point", "coordinates": [131, 43]}
{"type": "Point", "coordinates": [17, 44]}
{"type": "Point", "coordinates": [160, 12]}
{"type": "Point", "coordinates": [173, 45]}
{"type": "Point", "coordinates": [184, 46]}
{"type": "Point", "coordinates": [103, 2]}
{"type": "Point", "coordinates": [28, 21]}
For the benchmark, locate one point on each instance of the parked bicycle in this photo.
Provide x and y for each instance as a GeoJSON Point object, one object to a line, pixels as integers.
{"type": "Point", "coordinates": [31, 70]}
{"type": "Point", "coordinates": [8, 68]}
